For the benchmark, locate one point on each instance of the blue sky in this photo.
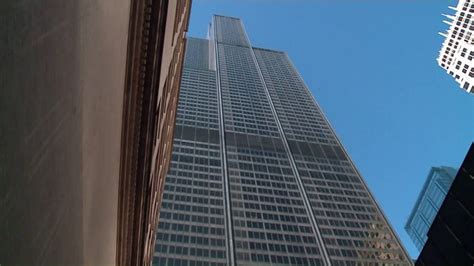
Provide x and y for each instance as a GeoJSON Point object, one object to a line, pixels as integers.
{"type": "Point", "coordinates": [371, 65]}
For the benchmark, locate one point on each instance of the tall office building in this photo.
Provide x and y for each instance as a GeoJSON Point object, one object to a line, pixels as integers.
{"type": "Point", "coordinates": [258, 176]}
{"type": "Point", "coordinates": [457, 52]}
{"type": "Point", "coordinates": [450, 238]}
{"type": "Point", "coordinates": [428, 203]}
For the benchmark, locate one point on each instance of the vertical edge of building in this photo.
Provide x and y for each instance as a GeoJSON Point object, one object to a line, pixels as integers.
{"type": "Point", "coordinates": [157, 37]}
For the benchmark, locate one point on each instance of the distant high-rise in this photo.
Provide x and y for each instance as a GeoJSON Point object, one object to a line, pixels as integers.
{"type": "Point", "coordinates": [428, 203]}
{"type": "Point", "coordinates": [457, 52]}
{"type": "Point", "coordinates": [258, 176]}
{"type": "Point", "coordinates": [451, 235]}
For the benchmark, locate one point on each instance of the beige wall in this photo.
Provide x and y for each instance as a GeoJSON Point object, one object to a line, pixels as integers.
{"type": "Point", "coordinates": [61, 92]}
{"type": "Point", "coordinates": [103, 48]}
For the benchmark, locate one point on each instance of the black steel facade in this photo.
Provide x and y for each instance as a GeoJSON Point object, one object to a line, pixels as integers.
{"type": "Point", "coordinates": [451, 235]}
{"type": "Point", "coordinates": [258, 176]}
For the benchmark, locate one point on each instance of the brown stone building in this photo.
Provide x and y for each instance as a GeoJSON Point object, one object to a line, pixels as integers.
{"type": "Point", "coordinates": [88, 92]}
{"type": "Point", "coordinates": [155, 63]}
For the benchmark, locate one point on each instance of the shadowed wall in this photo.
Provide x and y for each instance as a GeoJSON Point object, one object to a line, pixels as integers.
{"type": "Point", "coordinates": [61, 96]}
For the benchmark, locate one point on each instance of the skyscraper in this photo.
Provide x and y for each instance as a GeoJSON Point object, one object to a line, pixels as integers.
{"type": "Point", "coordinates": [457, 52]}
{"type": "Point", "coordinates": [428, 203]}
{"type": "Point", "coordinates": [258, 176]}
{"type": "Point", "coordinates": [450, 238]}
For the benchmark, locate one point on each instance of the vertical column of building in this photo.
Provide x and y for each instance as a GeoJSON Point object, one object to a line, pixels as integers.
{"type": "Point", "coordinates": [213, 58]}
{"type": "Point", "coordinates": [270, 223]}
{"type": "Point", "coordinates": [192, 228]}
{"type": "Point", "coordinates": [352, 226]}
{"type": "Point", "coordinates": [285, 142]}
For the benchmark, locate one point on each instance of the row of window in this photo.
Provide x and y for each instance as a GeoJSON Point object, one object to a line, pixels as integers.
{"type": "Point", "coordinates": [191, 240]}
{"type": "Point", "coordinates": [163, 261]}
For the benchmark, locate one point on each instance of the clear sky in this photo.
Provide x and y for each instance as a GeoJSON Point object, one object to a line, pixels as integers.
{"type": "Point", "coordinates": [372, 67]}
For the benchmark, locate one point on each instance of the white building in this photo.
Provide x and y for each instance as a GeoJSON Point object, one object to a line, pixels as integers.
{"type": "Point", "coordinates": [457, 52]}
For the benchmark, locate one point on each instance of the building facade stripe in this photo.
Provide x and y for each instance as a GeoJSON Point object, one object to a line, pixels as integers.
{"type": "Point", "coordinates": [228, 209]}
{"type": "Point", "coordinates": [307, 203]}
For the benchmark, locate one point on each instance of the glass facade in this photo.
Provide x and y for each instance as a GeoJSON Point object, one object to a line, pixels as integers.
{"type": "Point", "coordinates": [429, 201]}
{"type": "Point", "coordinates": [258, 176]}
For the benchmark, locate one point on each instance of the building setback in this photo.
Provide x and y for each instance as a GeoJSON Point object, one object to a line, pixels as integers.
{"type": "Point", "coordinates": [451, 235]}
{"type": "Point", "coordinates": [258, 176]}
{"type": "Point", "coordinates": [457, 53]}
{"type": "Point", "coordinates": [427, 205]}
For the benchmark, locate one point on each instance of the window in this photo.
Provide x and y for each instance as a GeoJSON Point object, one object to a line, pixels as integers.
{"type": "Point", "coordinates": [471, 74]}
